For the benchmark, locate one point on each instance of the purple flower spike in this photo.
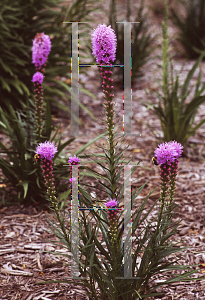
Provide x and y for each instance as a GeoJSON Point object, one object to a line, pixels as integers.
{"type": "Point", "coordinates": [40, 50]}
{"type": "Point", "coordinates": [73, 160]}
{"type": "Point", "coordinates": [168, 152]}
{"type": "Point", "coordinates": [38, 77]}
{"type": "Point", "coordinates": [104, 43]}
{"type": "Point", "coordinates": [46, 150]}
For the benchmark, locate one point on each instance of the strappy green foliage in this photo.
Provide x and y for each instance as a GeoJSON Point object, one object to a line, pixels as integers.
{"type": "Point", "coordinates": [176, 108]}
{"type": "Point", "coordinates": [22, 177]}
{"type": "Point", "coordinates": [20, 21]}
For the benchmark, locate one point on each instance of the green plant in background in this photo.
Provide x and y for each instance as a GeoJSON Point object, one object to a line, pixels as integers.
{"type": "Point", "coordinates": [152, 258]}
{"type": "Point", "coordinates": [142, 41]}
{"type": "Point", "coordinates": [20, 174]}
{"type": "Point", "coordinates": [191, 33]}
{"type": "Point", "coordinates": [19, 23]}
{"type": "Point", "coordinates": [176, 114]}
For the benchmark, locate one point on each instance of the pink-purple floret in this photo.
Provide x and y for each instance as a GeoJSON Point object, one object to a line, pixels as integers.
{"type": "Point", "coordinates": [38, 77]}
{"type": "Point", "coordinates": [72, 180]}
{"type": "Point", "coordinates": [104, 43]}
{"type": "Point", "coordinates": [111, 203]}
{"type": "Point", "coordinates": [168, 152]}
{"type": "Point", "coordinates": [41, 49]}
{"type": "Point", "coordinates": [73, 160]}
{"type": "Point", "coordinates": [46, 150]}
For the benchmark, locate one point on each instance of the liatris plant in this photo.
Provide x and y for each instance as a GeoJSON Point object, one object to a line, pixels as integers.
{"type": "Point", "coordinates": [40, 51]}
{"type": "Point", "coordinates": [101, 265]}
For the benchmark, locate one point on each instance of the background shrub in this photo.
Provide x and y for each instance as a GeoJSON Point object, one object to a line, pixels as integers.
{"type": "Point", "coordinates": [191, 26]}
{"type": "Point", "coordinates": [19, 22]}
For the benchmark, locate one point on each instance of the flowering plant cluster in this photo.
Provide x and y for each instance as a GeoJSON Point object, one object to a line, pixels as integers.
{"type": "Point", "coordinates": [117, 261]}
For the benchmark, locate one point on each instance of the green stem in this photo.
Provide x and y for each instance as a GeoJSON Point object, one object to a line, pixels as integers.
{"type": "Point", "coordinates": [172, 176]}
{"type": "Point", "coordinates": [108, 96]}
{"type": "Point", "coordinates": [106, 73]}
{"type": "Point", "coordinates": [164, 187]}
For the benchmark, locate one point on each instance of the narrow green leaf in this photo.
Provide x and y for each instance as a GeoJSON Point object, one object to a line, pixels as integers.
{"type": "Point", "coordinates": [25, 187]}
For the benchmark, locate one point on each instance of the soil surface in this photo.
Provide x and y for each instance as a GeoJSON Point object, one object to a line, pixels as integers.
{"type": "Point", "coordinates": [25, 239]}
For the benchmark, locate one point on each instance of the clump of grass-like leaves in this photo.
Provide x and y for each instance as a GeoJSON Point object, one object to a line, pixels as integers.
{"type": "Point", "coordinates": [153, 254]}
{"type": "Point", "coordinates": [176, 114]}
{"type": "Point", "coordinates": [22, 177]}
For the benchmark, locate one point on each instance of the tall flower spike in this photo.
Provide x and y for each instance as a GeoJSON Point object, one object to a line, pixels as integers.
{"type": "Point", "coordinates": [41, 49]}
{"type": "Point", "coordinates": [104, 44]}
{"type": "Point", "coordinates": [104, 49]}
